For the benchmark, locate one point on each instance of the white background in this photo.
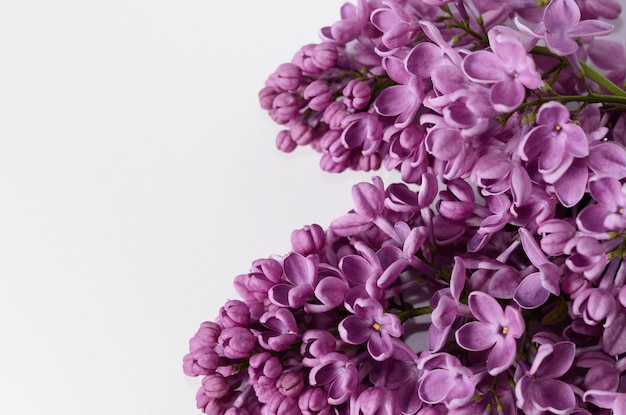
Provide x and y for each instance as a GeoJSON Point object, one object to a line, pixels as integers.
{"type": "Point", "coordinates": [138, 177]}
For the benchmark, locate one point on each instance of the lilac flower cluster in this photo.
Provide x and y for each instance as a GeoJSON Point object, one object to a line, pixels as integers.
{"type": "Point", "coordinates": [492, 279]}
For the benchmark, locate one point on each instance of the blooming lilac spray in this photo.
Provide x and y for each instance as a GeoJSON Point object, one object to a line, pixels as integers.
{"type": "Point", "coordinates": [491, 278]}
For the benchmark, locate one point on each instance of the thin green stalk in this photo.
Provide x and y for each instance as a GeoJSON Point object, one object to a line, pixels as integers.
{"type": "Point", "coordinates": [601, 80]}
{"type": "Point", "coordinates": [414, 312]}
{"type": "Point", "coordinates": [588, 72]}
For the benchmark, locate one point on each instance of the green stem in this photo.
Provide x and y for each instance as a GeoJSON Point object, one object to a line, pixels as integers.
{"type": "Point", "coordinates": [601, 80]}
{"type": "Point", "coordinates": [588, 72]}
{"type": "Point", "coordinates": [591, 98]}
{"type": "Point", "coordinates": [414, 312]}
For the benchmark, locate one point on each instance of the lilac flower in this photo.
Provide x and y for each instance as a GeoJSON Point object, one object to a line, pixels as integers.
{"type": "Point", "coordinates": [446, 381]}
{"type": "Point", "coordinates": [494, 330]}
{"type": "Point", "coordinates": [508, 67]}
{"type": "Point", "coordinates": [201, 361]}
{"type": "Point", "coordinates": [403, 100]}
{"type": "Point", "coordinates": [446, 305]}
{"type": "Point", "coordinates": [608, 214]}
{"type": "Point", "coordinates": [234, 313]}
{"type": "Point", "coordinates": [236, 342]}
{"type": "Point", "coordinates": [535, 289]}
{"type": "Point", "coordinates": [376, 401]}
{"type": "Point", "coordinates": [539, 389]}
{"type": "Point", "coordinates": [370, 324]}
{"type": "Point", "coordinates": [557, 142]}
{"type": "Point", "coordinates": [315, 344]}
{"type": "Point", "coordinates": [397, 25]}
{"type": "Point", "coordinates": [561, 25]}
{"type": "Point", "coordinates": [337, 374]}
{"type": "Point", "coordinates": [308, 240]}
{"type": "Point", "coordinates": [283, 330]}
{"type": "Point", "coordinates": [313, 401]}
{"type": "Point", "coordinates": [604, 371]}
{"type": "Point", "coordinates": [300, 280]}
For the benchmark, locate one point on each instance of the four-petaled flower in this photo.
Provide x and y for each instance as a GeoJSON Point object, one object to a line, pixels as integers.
{"type": "Point", "coordinates": [370, 324]}
{"type": "Point", "coordinates": [495, 329]}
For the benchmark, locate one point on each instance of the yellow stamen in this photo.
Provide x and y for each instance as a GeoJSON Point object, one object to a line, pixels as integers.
{"type": "Point", "coordinates": [291, 332]}
{"type": "Point", "coordinates": [557, 127]}
{"type": "Point", "coordinates": [505, 330]}
{"type": "Point", "coordinates": [376, 326]}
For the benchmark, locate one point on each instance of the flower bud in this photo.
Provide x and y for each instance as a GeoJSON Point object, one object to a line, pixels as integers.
{"type": "Point", "coordinates": [236, 342]}
{"type": "Point", "coordinates": [202, 361]}
{"type": "Point", "coordinates": [288, 77]}
{"type": "Point", "coordinates": [324, 55]}
{"type": "Point", "coordinates": [215, 385]}
{"type": "Point", "coordinates": [308, 240]}
{"type": "Point", "coordinates": [266, 97]}
{"type": "Point", "coordinates": [290, 384]}
{"type": "Point", "coordinates": [285, 107]}
{"type": "Point", "coordinates": [357, 94]}
{"type": "Point", "coordinates": [318, 94]}
{"type": "Point", "coordinates": [284, 142]}
{"type": "Point", "coordinates": [206, 336]}
{"type": "Point", "coordinates": [301, 134]}
{"type": "Point", "coordinates": [234, 313]}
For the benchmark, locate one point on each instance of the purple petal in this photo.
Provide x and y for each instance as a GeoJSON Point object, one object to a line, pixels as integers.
{"type": "Point", "coordinates": [590, 28]}
{"type": "Point", "coordinates": [502, 356]}
{"type": "Point", "coordinates": [533, 142]}
{"type": "Point", "coordinates": [279, 294]}
{"type": "Point", "coordinates": [485, 308]}
{"type": "Point", "coordinates": [552, 113]}
{"type": "Point", "coordinates": [591, 218]}
{"type": "Point", "coordinates": [514, 321]}
{"type": "Point", "coordinates": [561, 46]}
{"type": "Point", "coordinates": [300, 269]}
{"type": "Point", "coordinates": [475, 336]}
{"type": "Point", "coordinates": [444, 143]}
{"type": "Point", "coordinates": [554, 396]}
{"type": "Point", "coordinates": [380, 346]}
{"type": "Point", "coordinates": [331, 291]}
{"type": "Point", "coordinates": [355, 330]}
{"type": "Point", "coordinates": [436, 385]}
{"type": "Point", "coordinates": [423, 58]}
{"type": "Point", "coordinates": [396, 70]}
{"type": "Point", "coordinates": [457, 279]}
{"type": "Point", "coordinates": [394, 100]}
{"type": "Point", "coordinates": [576, 141]}
{"type": "Point", "coordinates": [570, 188]}
{"type": "Point", "coordinates": [368, 200]}
{"type": "Point", "coordinates": [560, 15]}
{"type": "Point", "coordinates": [299, 295]}
{"type": "Point", "coordinates": [521, 185]}
{"type": "Point", "coordinates": [356, 269]}
{"type": "Point", "coordinates": [350, 224]}
{"type": "Point", "coordinates": [437, 337]}
{"type": "Point", "coordinates": [614, 336]}
{"type": "Point", "coordinates": [608, 159]}
{"type": "Point", "coordinates": [555, 361]}
{"type": "Point", "coordinates": [530, 293]}
{"type": "Point", "coordinates": [507, 95]}
{"type": "Point", "coordinates": [553, 154]}
{"type": "Point", "coordinates": [605, 190]}
{"type": "Point", "coordinates": [484, 67]}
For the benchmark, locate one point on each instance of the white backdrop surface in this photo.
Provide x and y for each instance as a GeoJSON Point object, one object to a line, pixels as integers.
{"type": "Point", "coordinates": [138, 177]}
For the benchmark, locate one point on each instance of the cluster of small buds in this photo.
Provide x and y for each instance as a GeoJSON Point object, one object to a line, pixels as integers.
{"type": "Point", "coordinates": [492, 279]}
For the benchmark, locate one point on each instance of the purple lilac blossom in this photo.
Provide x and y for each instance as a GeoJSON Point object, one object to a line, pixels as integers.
{"type": "Point", "coordinates": [491, 279]}
{"type": "Point", "coordinates": [495, 330]}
